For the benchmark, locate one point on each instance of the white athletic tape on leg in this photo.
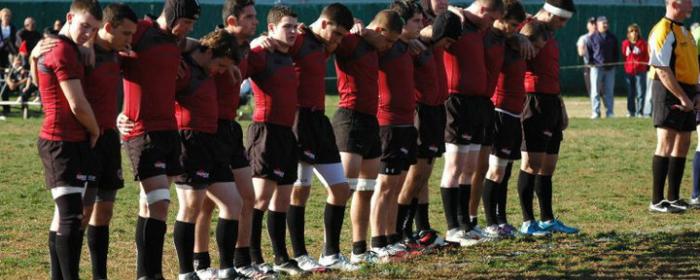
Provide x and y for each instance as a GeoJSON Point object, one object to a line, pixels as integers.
{"type": "Point", "coordinates": [353, 183]}
{"type": "Point", "coordinates": [330, 174]}
{"type": "Point", "coordinates": [496, 161]}
{"type": "Point", "coordinates": [142, 197]}
{"type": "Point", "coordinates": [157, 195]}
{"type": "Point", "coordinates": [474, 147]}
{"type": "Point", "coordinates": [304, 175]}
{"type": "Point", "coordinates": [61, 191]}
{"type": "Point", "coordinates": [365, 185]}
{"type": "Point", "coordinates": [454, 148]}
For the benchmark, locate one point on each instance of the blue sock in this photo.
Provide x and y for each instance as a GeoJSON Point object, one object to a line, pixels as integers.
{"type": "Point", "coordinates": [696, 175]}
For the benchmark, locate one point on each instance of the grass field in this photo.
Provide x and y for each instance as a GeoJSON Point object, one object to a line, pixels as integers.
{"type": "Point", "coordinates": [602, 185]}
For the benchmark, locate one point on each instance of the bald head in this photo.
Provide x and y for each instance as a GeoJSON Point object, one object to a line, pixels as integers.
{"type": "Point", "coordinates": [679, 10]}
{"type": "Point", "coordinates": [29, 24]}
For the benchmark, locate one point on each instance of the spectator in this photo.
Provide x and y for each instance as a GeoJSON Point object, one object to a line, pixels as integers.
{"type": "Point", "coordinates": [636, 55]}
{"type": "Point", "coordinates": [582, 52]}
{"type": "Point", "coordinates": [602, 50]}
{"type": "Point", "coordinates": [29, 37]}
{"type": "Point", "coordinates": [57, 25]}
{"type": "Point", "coordinates": [15, 80]}
{"type": "Point", "coordinates": [7, 38]}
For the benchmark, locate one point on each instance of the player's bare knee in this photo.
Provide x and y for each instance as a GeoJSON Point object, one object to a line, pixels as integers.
{"type": "Point", "coordinates": [300, 195]}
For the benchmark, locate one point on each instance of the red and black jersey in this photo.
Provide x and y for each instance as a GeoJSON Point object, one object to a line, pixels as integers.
{"type": "Point", "coordinates": [426, 79]}
{"type": "Point", "coordinates": [149, 79]}
{"type": "Point", "coordinates": [542, 74]}
{"type": "Point", "coordinates": [196, 107]}
{"type": "Point", "coordinates": [61, 63]}
{"type": "Point", "coordinates": [274, 86]}
{"type": "Point", "coordinates": [101, 86]}
{"type": "Point", "coordinates": [397, 101]}
{"type": "Point", "coordinates": [494, 49]}
{"type": "Point", "coordinates": [229, 91]}
{"type": "Point", "coordinates": [465, 63]}
{"type": "Point", "coordinates": [439, 57]}
{"type": "Point", "coordinates": [510, 87]}
{"type": "Point", "coordinates": [357, 68]}
{"type": "Point", "coordinates": [309, 55]}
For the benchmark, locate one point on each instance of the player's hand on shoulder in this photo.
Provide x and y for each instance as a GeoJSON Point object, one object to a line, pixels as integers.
{"type": "Point", "coordinates": [43, 47]}
{"type": "Point", "coordinates": [416, 46]}
{"type": "Point", "coordinates": [527, 50]}
{"type": "Point", "coordinates": [87, 55]}
{"type": "Point", "coordinates": [264, 42]}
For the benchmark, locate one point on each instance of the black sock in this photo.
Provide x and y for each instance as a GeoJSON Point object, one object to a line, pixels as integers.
{"type": "Point", "coordinates": [154, 237]}
{"type": "Point", "coordinates": [98, 243]}
{"type": "Point", "coordinates": [241, 257]}
{"type": "Point", "coordinates": [526, 188]}
{"type": "Point", "coordinates": [333, 216]}
{"type": "Point", "coordinates": [422, 217]}
{"type": "Point", "coordinates": [255, 236]}
{"type": "Point", "coordinates": [295, 223]}
{"type": "Point", "coordinates": [379, 241]}
{"type": "Point", "coordinates": [401, 218]}
{"type": "Point", "coordinates": [69, 237]}
{"type": "Point", "coordinates": [676, 166]}
{"type": "Point", "coordinates": [490, 201]}
{"type": "Point", "coordinates": [359, 247]}
{"type": "Point", "coordinates": [140, 249]}
{"type": "Point", "coordinates": [659, 168]}
{"type": "Point", "coordinates": [473, 222]}
{"type": "Point", "coordinates": [408, 221]}
{"type": "Point", "coordinates": [464, 195]}
{"type": "Point", "coordinates": [450, 203]}
{"type": "Point", "coordinates": [183, 237]}
{"type": "Point", "coordinates": [201, 260]}
{"type": "Point", "coordinates": [394, 238]}
{"type": "Point", "coordinates": [543, 189]}
{"type": "Point", "coordinates": [226, 236]}
{"type": "Point", "coordinates": [276, 228]}
{"type": "Point", "coordinates": [502, 196]}
{"type": "Point", "coordinates": [53, 256]}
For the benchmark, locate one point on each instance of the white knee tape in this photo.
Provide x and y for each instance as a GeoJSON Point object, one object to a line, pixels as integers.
{"type": "Point", "coordinates": [142, 197]}
{"type": "Point", "coordinates": [364, 185]}
{"type": "Point", "coordinates": [330, 174]}
{"type": "Point", "coordinates": [157, 195]}
{"type": "Point", "coordinates": [474, 147]}
{"type": "Point", "coordinates": [454, 148]}
{"type": "Point", "coordinates": [61, 191]}
{"type": "Point", "coordinates": [353, 183]}
{"type": "Point", "coordinates": [496, 161]}
{"type": "Point", "coordinates": [304, 175]}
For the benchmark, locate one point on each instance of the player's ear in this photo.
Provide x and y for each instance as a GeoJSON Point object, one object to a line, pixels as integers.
{"type": "Point", "coordinates": [231, 21]}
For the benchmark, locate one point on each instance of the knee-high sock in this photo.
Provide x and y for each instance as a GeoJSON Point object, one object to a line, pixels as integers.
{"type": "Point", "coordinates": [276, 222]}
{"type": "Point", "coordinates": [676, 166]}
{"type": "Point", "coordinates": [55, 265]}
{"type": "Point", "coordinates": [333, 216]}
{"type": "Point", "coordinates": [401, 218]}
{"type": "Point", "coordinates": [226, 236]}
{"type": "Point", "coordinates": [140, 248]}
{"type": "Point", "coordinates": [526, 188]}
{"type": "Point", "coordinates": [295, 223]}
{"type": "Point", "coordinates": [450, 204]}
{"type": "Point", "coordinates": [489, 198]}
{"type": "Point", "coordinates": [69, 237]}
{"type": "Point", "coordinates": [183, 237]}
{"type": "Point", "coordinates": [255, 236]}
{"type": "Point", "coordinates": [98, 243]}
{"type": "Point", "coordinates": [502, 196]}
{"type": "Point", "coordinates": [659, 168]}
{"type": "Point", "coordinates": [154, 237]}
{"type": "Point", "coordinates": [463, 213]}
{"type": "Point", "coordinates": [422, 217]}
{"type": "Point", "coordinates": [543, 189]}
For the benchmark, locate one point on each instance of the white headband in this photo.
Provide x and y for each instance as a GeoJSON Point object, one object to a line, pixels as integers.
{"type": "Point", "coordinates": [557, 11]}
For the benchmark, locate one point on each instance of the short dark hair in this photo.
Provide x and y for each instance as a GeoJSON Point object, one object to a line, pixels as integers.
{"type": "Point", "coordinates": [116, 13]}
{"type": "Point", "coordinates": [91, 7]}
{"type": "Point", "coordinates": [222, 44]}
{"type": "Point", "coordinates": [514, 10]}
{"type": "Point", "coordinates": [234, 8]}
{"type": "Point", "coordinates": [389, 20]}
{"type": "Point", "coordinates": [493, 5]}
{"type": "Point", "coordinates": [406, 8]}
{"type": "Point", "coordinates": [277, 12]}
{"type": "Point", "coordinates": [339, 14]}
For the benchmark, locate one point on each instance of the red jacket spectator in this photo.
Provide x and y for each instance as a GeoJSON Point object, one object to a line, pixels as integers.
{"type": "Point", "coordinates": [636, 56]}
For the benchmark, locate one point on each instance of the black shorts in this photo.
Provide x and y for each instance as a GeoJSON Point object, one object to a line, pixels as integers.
{"type": "Point", "coordinates": [430, 123]}
{"type": "Point", "coordinates": [202, 160]}
{"type": "Point", "coordinates": [155, 153]}
{"type": "Point", "coordinates": [108, 162]}
{"type": "Point", "coordinates": [664, 113]}
{"type": "Point", "coordinates": [273, 152]}
{"type": "Point", "coordinates": [230, 135]}
{"type": "Point", "coordinates": [543, 123]}
{"type": "Point", "coordinates": [66, 164]}
{"type": "Point", "coordinates": [357, 133]}
{"type": "Point", "coordinates": [508, 136]}
{"type": "Point", "coordinates": [469, 120]}
{"type": "Point", "coordinates": [398, 149]}
{"type": "Point", "coordinates": [315, 137]}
